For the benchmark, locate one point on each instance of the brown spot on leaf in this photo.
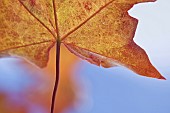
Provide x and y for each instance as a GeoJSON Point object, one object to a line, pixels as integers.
{"type": "Point", "coordinates": [87, 5]}
{"type": "Point", "coordinates": [32, 2]}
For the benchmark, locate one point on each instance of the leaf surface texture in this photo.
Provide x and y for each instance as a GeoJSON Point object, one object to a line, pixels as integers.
{"type": "Point", "coordinates": [99, 31]}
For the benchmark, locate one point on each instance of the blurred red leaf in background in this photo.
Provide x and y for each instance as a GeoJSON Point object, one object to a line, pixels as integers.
{"type": "Point", "coordinates": [39, 92]}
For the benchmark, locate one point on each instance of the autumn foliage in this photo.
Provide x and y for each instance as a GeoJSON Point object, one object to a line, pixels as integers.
{"type": "Point", "coordinates": [99, 31]}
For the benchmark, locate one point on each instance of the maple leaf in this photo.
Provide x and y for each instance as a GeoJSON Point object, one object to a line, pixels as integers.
{"type": "Point", "coordinates": [99, 31]}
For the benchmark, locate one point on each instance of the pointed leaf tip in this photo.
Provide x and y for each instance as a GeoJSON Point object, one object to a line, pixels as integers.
{"type": "Point", "coordinates": [162, 78]}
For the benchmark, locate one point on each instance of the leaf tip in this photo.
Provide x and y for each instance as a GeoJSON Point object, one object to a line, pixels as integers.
{"type": "Point", "coordinates": [162, 78]}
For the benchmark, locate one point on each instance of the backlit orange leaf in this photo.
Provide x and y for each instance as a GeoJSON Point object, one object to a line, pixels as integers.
{"type": "Point", "coordinates": [7, 107]}
{"type": "Point", "coordinates": [99, 31]}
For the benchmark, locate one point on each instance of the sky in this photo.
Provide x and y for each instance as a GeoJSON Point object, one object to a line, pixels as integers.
{"type": "Point", "coordinates": [119, 90]}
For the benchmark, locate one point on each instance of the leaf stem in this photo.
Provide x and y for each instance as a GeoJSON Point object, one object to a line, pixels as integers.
{"type": "Point", "coordinates": [57, 75]}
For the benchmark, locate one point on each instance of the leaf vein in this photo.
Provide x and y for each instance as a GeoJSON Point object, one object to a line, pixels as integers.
{"type": "Point", "coordinates": [85, 21]}
{"type": "Point", "coordinates": [37, 19]}
{"type": "Point", "coordinates": [17, 47]}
